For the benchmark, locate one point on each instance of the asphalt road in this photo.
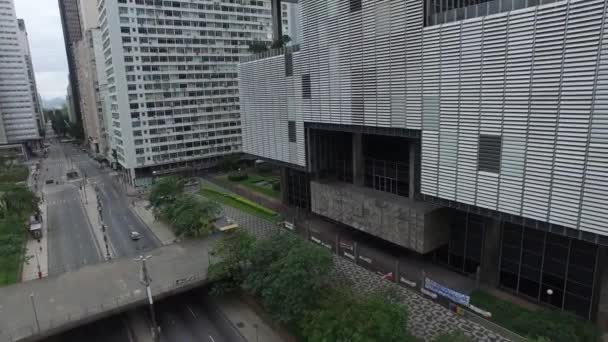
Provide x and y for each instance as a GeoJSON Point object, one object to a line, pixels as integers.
{"type": "Point", "coordinates": [113, 329]}
{"type": "Point", "coordinates": [70, 238]}
{"type": "Point", "coordinates": [183, 318]}
{"type": "Point", "coordinates": [117, 215]}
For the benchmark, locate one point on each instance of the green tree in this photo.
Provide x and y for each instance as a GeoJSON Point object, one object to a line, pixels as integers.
{"type": "Point", "coordinates": [288, 275]}
{"type": "Point", "coordinates": [191, 216]}
{"type": "Point", "coordinates": [16, 199]}
{"type": "Point", "coordinates": [164, 192]}
{"type": "Point", "coordinates": [76, 131]}
{"type": "Point", "coordinates": [344, 316]}
{"type": "Point", "coordinates": [229, 162]}
{"type": "Point", "coordinates": [233, 252]}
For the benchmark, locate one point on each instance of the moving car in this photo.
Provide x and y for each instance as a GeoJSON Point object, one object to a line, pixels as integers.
{"type": "Point", "coordinates": [134, 236]}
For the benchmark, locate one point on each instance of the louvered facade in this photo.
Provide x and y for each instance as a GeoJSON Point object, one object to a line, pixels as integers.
{"type": "Point", "coordinates": [536, 78]}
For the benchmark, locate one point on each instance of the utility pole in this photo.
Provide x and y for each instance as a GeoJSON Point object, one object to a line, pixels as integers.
{"type": "Point", "coordinates": [145, 280]}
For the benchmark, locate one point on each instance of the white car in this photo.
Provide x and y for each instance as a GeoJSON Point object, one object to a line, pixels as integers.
{"type": "Point", "coordinates": [135, 236]}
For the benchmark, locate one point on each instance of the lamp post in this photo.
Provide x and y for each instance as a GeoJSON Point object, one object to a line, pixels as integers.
{"type": "Point", "coordinates": [145, 280]}
{"type": "Point", "coordinates": [35, 313]}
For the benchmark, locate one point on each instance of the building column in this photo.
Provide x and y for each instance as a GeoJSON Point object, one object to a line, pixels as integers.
{"type": "Point", "coordinates": [358, 160]}
{"type": "Point", "coordinates": [490, 254]}
{"type": "Point", "coordinates": [412, 170]}
{"type": "Point", "coordinates": [277, 21]}
{"type": "Point", "coordinates": [284, 186]}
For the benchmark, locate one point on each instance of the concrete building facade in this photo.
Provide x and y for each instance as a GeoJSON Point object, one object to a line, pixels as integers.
{"type": "Point", "coordinates": [72, 33]}
{"type": "Point", "coordinates": [290, 16]}
{"type": "Point", "coordinates": [172, 80]}
{"type": "Point", "coordinates": [36, 100]}
{"type": "Point", "coordinates": [17, 97]}
{"type": "Point", "coordinates": [90, 65]}
{"type": "Point", "coordinates": [491, 111]}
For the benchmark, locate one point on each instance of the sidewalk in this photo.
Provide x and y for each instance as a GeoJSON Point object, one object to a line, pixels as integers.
{"type": "Point", "coordinates": [160, 229]}
{"type": "Point", "coordinates": [36, 252]}
{"type": "Point", "coordinates": [251, 326]}
{"type": "Point", "coordinates": [89, 202]}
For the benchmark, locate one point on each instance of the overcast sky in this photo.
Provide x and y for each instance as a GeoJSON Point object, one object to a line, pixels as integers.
{"type": "Point", "coordinates": [46, 42]}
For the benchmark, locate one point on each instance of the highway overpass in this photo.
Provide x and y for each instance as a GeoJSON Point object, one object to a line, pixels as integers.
{"type": "Point", "coordinates": [33, 310]}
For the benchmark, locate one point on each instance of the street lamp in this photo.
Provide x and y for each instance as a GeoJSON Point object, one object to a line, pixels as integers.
{"type": "Point", "coordinates": [35, 313]}
{"type": "Point", "coordinates": [145, 280]}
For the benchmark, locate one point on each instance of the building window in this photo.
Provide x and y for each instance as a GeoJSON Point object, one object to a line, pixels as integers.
{"type": "Point", "coordinates": [306, 87]}
{"type": "Point", "coordinates": [533, 262]}
{"type": "Point", "coordinates": [288, 64]}
{"type": "Point", "coordinates": [291, 126]}
{"type": "Point", "coordinates": [355, 5]}
{"type": "Point", "coordinates": [488, 158]}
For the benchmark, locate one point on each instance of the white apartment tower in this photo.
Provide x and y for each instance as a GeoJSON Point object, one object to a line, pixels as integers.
{"type": "Point", "coordinates": [172, 79]}
{"type": "Point", "coordinates": [25, 48]}
{"type": "Point", "coordinates": [290, 17]}
{"type": "Point", "coordinates": [18, 122]}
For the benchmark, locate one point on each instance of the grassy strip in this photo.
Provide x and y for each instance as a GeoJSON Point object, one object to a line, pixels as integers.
{"type": "Point", "coordinates": [241, 204]}
{"type": "Point", "coordinates": [550, 324]}
{"type": "Point", "coordinates": [14, 174]}
{"type": "Point", "coordinates": [9, 269]}
{"type": "Point", "coordinates": [251, 181]}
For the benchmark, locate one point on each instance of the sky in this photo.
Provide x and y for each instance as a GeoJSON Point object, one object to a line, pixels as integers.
{"type": "Point", "coordinates": [43, 25]}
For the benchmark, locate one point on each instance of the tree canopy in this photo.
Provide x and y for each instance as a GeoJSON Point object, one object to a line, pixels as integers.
{"type": "Point", "coordinates": [165, 191]}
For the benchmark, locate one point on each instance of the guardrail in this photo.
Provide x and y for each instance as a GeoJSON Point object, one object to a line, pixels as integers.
{"type": "Point", "coordinates": [271, 53]}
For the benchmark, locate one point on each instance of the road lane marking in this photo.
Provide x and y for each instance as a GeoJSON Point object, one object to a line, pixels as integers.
{"type": "Point", "coordinates": [211, 338]}
{"type": "Point", "coordinates": [192, 312]}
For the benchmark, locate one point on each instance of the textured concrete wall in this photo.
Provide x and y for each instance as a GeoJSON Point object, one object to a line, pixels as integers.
{"type": "Point", "coordinates": [384, 215]}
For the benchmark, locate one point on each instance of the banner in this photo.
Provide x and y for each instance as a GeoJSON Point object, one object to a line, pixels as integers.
{"type": "Point", "coordinates": [443, 291]}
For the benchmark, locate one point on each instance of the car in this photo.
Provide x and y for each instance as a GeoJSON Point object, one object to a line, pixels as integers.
{"type": "Point", "coordinates": [135, 236]}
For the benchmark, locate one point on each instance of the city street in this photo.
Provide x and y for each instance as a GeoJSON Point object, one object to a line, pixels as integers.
{"type": "Point", "coordinates": [72, 244]}
{"type": "Point", "coordinates": [117, 214]}
{"type": "Point", "coordinates": [70, 239]}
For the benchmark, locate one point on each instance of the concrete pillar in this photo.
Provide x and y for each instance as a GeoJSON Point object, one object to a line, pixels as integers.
{"type": "Point", "coordinates": [490, 254]}
{"type": "Point", "coordinates": [412, 170]}
{"type": "Point", "coordinates": [284, 186]}
{"type": "Point", "coordinates": [358, 160]}
{"type": "Point", "coordinates": [277, 23]}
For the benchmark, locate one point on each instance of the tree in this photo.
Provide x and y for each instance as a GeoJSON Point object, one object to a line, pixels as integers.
{"type": "Point", "coordinates": [343, 316]}
{"type": "Point", "coordinates": [229, 162]}
{"type": "Point", "coordinates": [258, 46]}
{"type": "Point", "coordinates": [17, 200]}
{"type": "Point", "coordinates": [288, 275]}
{"type": "Point", "coordinates": [76, 130]}
{"type": "Point", "coordinates": [191, 216]}
{"type": "Point", "coordinates": [281, 42]}
{"type": "Point", "coordinates": [233, 252]}
{"type": "Point", "coordinates": [165, 191]}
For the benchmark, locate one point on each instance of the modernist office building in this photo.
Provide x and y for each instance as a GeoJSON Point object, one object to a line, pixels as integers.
{"type": "Point", "coordinates": [472, 132]}
{"type": "Point", "coordinates": [18, 123]}
{"type": "Point", "coordinates": [72, 34]}
{"type": "Point", "coordinates": [172, 79]}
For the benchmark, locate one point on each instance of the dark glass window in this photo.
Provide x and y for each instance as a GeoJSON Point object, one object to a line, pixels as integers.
{"type": "Point", "coordinates": [488, 158]}
{"type": "Point", "coordinates": [291, 126]}
{"type": "Point", "coordinates": [355, 5]}
{"type": "Point", "coordinates": [306, 87]}
{"type": "Point", "coordinates": [288, 65]}
{"type": "Point", "coordinates": [552, 269]}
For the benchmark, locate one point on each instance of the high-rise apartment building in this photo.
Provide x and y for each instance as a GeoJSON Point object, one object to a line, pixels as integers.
{"type": "Point", "coordinates": [290, 15]}
{"type": "Point", "coordinates": [90, 65]}
{"type": "Point", "coordinates": [72, 34]}
{"type": "Point", "coordinates": [19, 119]}
{"type": "Point", "coordinates": [172, 79]}
{"type": "Point", "coordinates": [36, 101]}
{"type": "Point", "coordinates": [474, 133]}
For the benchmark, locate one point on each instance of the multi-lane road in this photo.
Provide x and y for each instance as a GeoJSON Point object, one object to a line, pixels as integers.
{"type": "Point", "coordinates": [72, 244]}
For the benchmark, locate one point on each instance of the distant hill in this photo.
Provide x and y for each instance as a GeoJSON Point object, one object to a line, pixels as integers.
{"type": "Point", "coordinates": [54, 103]}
